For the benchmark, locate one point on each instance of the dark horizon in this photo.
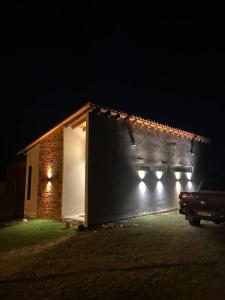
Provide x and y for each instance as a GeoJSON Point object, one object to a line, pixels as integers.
{"type": "Point", "coordinates": [164, 67]}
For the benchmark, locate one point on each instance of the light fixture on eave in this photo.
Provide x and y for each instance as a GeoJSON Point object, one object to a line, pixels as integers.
{"type": "Point", "coordinates": [80, 122]}
{"type": "Point", "coordinates": [83, 126]}
{"type": "Point", "coordinates": [130, 131]}
{"type": "Point", "coordinates": [192, 147]}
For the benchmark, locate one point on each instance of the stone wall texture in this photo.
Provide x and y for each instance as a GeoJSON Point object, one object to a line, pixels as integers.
{"type": "Point", "coordinates": [51, 176]}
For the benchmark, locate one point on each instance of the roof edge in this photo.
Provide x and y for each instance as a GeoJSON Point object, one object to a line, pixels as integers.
{"type": "Point", "coordinates": [153, 125]}
{"type": "Point", "coordinates": [134, 119]}
{"type": "Point", "coordinates": [85, 108]}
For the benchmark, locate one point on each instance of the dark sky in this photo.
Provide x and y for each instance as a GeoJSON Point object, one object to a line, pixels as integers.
{"type": "Point", "coordinates": [168, 65]}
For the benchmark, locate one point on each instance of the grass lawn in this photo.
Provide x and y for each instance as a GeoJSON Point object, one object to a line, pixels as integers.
{"type": "Point", "coordinates": [150, 257]}
{"type": "Point", "coordinates": [15, 235]}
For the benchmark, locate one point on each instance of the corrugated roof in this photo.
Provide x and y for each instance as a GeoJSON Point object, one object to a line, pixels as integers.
{"type": "Point", "coordinates": [135, 120]}
{"type": "Point", "coordinates": [154, 125]}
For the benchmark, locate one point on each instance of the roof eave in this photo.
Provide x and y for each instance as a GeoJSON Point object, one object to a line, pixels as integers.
{"type": "Point", "coordinates": [84, 109]}
{"type": "Point", "coordinates": [89, 106]}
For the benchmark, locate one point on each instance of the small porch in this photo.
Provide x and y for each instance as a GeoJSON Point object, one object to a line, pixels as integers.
{"type": "Point", "coordinates": [74, 172]}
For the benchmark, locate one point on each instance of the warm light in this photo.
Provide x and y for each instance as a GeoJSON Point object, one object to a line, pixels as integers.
{"type": "Point", "coordinates": [142, 174]}
{"type": "Point", "coordinates": [178, 187]}
{"type": "Point", "coordinates": [49, 174]}
{"type": "Point", "coordinates": [49, 186]}
{"type": "Point", "coordinates": [178, 175]}
{"type": "Point", "coordinates": [188, 175]}
{"type": "Point", "coordinates": [159, 174]}
{"type": "Point", "coordinates": [142, 187]}
{"type": "Point", "coordinates": [159, 187]}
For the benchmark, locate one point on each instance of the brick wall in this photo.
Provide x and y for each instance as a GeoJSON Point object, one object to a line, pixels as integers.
{"type": "Point", "coordinates": [50, 176]}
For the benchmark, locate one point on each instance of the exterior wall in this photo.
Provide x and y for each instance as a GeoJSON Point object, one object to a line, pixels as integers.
{"type": "Point", "coordinates": [2, 188]}
{"type": "Point", "coordinates": [115, 190]}
{"type": "Point", "coordinates": [50, 176]}
{"type": "Point", "coordinates": [30, 206]}
{"type": "Point", "coordinates": [15, 187]}
{"type": "Point", "coordinates": [12, 194]}
{"type": "Point", "coordinates": [74, 172]}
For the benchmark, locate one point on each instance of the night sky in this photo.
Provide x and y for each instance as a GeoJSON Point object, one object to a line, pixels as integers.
{"type": "Point", "coordinates": [166, 65]}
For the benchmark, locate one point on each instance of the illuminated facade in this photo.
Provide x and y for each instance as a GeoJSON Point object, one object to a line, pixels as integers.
{"type": "Point", "coordinates": [101, 165]}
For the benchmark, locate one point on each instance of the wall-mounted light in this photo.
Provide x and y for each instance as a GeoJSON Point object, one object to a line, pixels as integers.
{"type": "Point", "coordinates": [49, 174]}
{"type": "Point", "coordinates": [179, 170]}
{"type": "Point", "coordinates": [177, 175]}
{"type": "Point", "coordinates": [142, 171]}
{"type": "Point", "coordinates": [159, 174]}
{"type": "Point", "coordinates": [142, 174]}
{"type": "Point", "coordinates": [192, 147]}
{"type": "Point", "coordinates": [189, 175]}
{"type": "Point", "coordinates": [159, 170]}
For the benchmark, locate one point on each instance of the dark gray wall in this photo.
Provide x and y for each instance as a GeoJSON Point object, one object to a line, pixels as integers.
{"type": "Point", "coordinates": [115, 191]}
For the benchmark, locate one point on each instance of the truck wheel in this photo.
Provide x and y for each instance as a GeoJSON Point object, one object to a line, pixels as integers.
{"type": "Point", "coordinates": [194, 221]}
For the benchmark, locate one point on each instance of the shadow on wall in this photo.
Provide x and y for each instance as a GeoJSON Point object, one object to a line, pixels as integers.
{"type": "Point", "coordinates": [12, 191]}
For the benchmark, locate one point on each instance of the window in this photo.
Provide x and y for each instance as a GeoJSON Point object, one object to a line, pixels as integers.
{"type": "Point", "coordinates": [29, 183]}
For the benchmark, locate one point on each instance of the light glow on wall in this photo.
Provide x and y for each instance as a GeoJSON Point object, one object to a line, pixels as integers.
{"type": "Point", "coordinates": [178, 187]}
{"type": "Point", "coordinates": [159, 187]}
{"type": "Point", "coordinates": [159, 174]}
{"type": "Point", "coordinates": [142, 187]}
{"type": "Point", "coordinates": [49, 186]}
{"type": "Point", "coordinates": [142, 174]}
{"type": "Point", "coordinates": [190, 185]}
{"type": "Point", "coordinates": [189, 175]}
{"type": "Point", "coordinates": [49, 174]}
{"type": "Point", "coordinates": [177, 175]}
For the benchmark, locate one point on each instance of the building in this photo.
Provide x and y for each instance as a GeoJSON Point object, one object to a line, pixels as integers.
{"type": "Point", "coordinates": [12, 191]}
{"type": "Point", "coordinates": [101, 165]}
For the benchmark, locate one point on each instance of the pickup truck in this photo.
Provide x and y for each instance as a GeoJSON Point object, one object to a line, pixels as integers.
{"type": "Point", "coordinates": [208, 203]}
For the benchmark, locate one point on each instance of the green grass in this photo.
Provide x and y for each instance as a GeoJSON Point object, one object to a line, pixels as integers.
{"type": "Point", "coordinates": [15, 235]}
{"type": "Point", "coordinates": [151, 257]}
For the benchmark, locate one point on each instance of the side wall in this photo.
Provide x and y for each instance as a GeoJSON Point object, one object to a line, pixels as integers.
{"type": "Point", "coordinates": [30, 206]}
{"type": "Point", "coordinates": [50, 176]}
{"type": "Point", "coordinates": [74, 172]}
{"type": "Point", "coordinates": [115, 190]}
